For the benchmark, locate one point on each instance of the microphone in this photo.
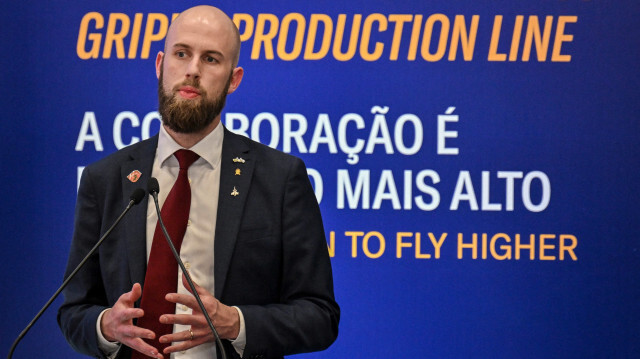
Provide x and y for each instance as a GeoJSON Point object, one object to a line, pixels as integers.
{"type": "Point", "coordinates": [154, 188]}
{"type": "Point", "coordinates": [134, 199]}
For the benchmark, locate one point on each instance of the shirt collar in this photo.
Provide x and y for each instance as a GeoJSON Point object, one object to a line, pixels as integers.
{"type": "Point", "coordinates": [209, 148]}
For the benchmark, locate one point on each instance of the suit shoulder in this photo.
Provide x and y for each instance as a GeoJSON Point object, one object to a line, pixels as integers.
{"type": "Point", "coordinates": [143, 148]}
{"type": "Point", "coordinates": [265, 153]}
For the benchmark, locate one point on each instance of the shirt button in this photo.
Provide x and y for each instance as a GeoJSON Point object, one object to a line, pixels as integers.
{"type": "Point", "coordinates": [188, 222]}
{"type": "Point", "coordinates": [187, 265]}
{"type": "Point", "coordinates": [189, 180]}
{"type": "Point", "coordinates": [184, 308]}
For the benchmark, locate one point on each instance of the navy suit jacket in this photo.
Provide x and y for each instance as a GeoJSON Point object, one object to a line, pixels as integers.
{"type": "Point", "coordinates": [270, 252]}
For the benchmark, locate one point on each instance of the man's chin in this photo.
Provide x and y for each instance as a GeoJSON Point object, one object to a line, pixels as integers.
{"type": "Point", "coordinates": [180, 129]}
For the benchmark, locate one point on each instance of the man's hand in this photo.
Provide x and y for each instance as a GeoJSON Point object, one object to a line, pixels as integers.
{"type": "Point", "coordinates": [117, 324]}
{"type": "Point", "coordinates": [225, 319]}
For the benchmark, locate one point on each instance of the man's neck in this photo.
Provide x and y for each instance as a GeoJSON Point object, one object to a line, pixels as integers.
{"type": "Point", "coordinates": [188, 140]}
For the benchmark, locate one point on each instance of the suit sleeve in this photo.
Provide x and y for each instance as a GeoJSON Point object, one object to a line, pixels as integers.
{"type": "Point", "coordinates": [307, 315]}
{"type": "Point", "coordinates": [84, 297]}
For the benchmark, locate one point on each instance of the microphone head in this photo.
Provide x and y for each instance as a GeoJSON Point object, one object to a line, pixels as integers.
{"type": "Point", "coordinates": [137, 195]}
{"type": "Point", "coordinates": [153, 186]}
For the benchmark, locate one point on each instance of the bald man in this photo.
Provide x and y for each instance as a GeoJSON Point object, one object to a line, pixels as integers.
{"type": "Point", "coordinates": [254, 243]}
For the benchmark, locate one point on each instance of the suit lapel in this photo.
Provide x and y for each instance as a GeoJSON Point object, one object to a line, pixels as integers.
{"type": "Point", "coordinates": [136, 221]}
{"type": "Point", "coordinates": [230, 205]}
{"type": "Point", "coordinates": [232, 197]}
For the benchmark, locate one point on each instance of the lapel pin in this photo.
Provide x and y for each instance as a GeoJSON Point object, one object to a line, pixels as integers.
{"type": "Point", "coordinates": [134, 176]}
{"type": "Point", "coordinates": [235, 192]}
{"type": "Point", "coordinates": [238, 159]}
{"type": "Point", "coordinates": [238, 172]}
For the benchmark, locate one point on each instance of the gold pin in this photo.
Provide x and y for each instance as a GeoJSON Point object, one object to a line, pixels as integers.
{"type": "Point", "coordinates": [237, 172]}
{"type": "Point", "coordinates": [238, 159]}
{"type": "Point", "coordinates": [235, 192]}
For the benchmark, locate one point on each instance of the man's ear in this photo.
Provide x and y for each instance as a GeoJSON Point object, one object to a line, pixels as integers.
{"type": "Point", "coordinates": [236, 78]}
{"type": "Point", "coordinates": [159, 63]}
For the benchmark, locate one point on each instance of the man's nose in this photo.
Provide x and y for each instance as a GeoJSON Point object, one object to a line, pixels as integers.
{"type": "Point", "coordinates": [193, 68]}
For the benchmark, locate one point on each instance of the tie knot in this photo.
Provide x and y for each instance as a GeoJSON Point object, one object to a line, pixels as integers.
{"type": "Point", "coordinates": [186, 158]}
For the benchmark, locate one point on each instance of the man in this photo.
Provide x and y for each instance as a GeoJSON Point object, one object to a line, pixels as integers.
{"type": "Point", "coordinates": [254, 241]}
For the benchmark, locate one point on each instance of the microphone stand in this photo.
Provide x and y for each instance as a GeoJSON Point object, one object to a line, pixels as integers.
{"type": "Point", "coordinates": [135, 198]}
{"type": "Point", "coordinates": [154, 193]}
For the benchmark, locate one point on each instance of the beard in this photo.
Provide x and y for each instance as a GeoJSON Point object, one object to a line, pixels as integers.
{"type": "Point", "coordinates": [189, 116]}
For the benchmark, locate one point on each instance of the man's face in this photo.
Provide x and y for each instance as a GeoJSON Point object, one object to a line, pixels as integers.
{"type": "Point", "coordinates": [192, 115]}
{"type": "Point", "coordinates": [195, 73]}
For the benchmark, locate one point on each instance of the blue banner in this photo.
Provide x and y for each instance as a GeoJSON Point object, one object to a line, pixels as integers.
{"type": "Point", "coordinates": [475, 163]}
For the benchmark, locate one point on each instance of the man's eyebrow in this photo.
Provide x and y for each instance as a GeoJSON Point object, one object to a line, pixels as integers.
{"type": "Point", "coordinates": [186, 46]}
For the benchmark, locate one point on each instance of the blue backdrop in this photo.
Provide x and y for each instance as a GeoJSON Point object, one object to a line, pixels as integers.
{"type": "Point", "coordinates": [476, 162]}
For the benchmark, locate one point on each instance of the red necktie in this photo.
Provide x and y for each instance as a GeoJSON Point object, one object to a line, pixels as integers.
{"type": "Point", "coordinates": [162, 270]}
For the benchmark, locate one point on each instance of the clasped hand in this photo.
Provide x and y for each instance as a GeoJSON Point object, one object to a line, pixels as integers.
{"type": "Point", "coordinates": [117, 322]}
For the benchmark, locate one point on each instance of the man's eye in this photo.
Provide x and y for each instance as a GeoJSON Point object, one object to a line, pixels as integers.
{"type": "Point", "coordinates": [181, 54]}
{"type": "Point", "coordinates": [210, 59]}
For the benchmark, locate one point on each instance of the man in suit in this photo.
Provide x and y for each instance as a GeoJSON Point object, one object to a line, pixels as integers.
{"type": "Point", "coordinates": [254, 241]}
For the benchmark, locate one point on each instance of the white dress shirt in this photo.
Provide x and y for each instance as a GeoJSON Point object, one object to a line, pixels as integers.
{"type": "Point", "coordinates": [198, 244]}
